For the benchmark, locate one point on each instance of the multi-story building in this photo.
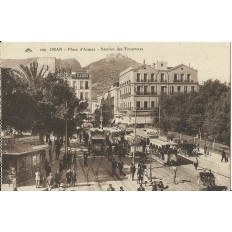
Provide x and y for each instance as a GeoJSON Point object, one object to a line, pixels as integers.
{"type": "Point", "coordinates": [49, 63]}
{"type": "Point", "coordinates": [141, 86]}
{"type": "Point", "coordinates": [81, 83]}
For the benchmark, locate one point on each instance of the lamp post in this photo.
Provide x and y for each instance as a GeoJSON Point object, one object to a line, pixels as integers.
{"type": "Point", "coordinates": [66, 129]}
{"type": "Point", "coordinates": [101, 119]}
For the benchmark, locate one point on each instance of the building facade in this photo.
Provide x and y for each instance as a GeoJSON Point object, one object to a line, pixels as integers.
{"type": "Point", "coordinates": [141, 86]}
{"type": "Point", "coordinates": [48, 63]}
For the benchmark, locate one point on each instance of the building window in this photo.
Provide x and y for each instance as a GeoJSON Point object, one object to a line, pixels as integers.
{"type": "Point", "coordinates": [162, 77]}
{"type": "Point", "coordinates": [145, 104]}
{"type": "Point", "coordinates": [178, 89]}
{"type": "Point", "coordinates": [192, 88]}
{"type": "Point", "coordinates": [86, 96]}
{"type": "Point", "coordinates": [188, 77]}
{"type": "Point", "coordinates": [163, 89]}
{"type": "Point", "coordinates": [137, 104]}
{"type": "Point", "coordinates": [81, 85]}
{"type": "Point", "coordinates": [152, 89]}
{"type": "Point", "coordinates": [185, 89]}
{"type": "Point", "coordinates": [138, 77]}
{"type": "Point", "coordinates": [145, 77]}
{"type": "Point", "coordinates": [175, 77]}
{"type": "Point", "coordinates": [182, 77]}
{"type": "Point", "coordinates": [152, 104]}
{"type": "Point", "coordinates": [74, 85]}
{"type": "Point", "coordinates": [138, 89]}
{"type": "Point", "coordinates": [86, 85]}
{"type": "Point", "coordinates": [81, 96]}
{"type": "Point", "coordinates": [171, 89]}
{"type": "Point", "coordinates": [145, 90]}
{"type": "Point", "coordinates": [162, 64]}
{"type": "Point", "coordinates": [152, 77]}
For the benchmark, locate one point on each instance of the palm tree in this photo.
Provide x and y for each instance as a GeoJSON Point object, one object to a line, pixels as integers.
{"type": "Point", "coordinates": [31, 74]}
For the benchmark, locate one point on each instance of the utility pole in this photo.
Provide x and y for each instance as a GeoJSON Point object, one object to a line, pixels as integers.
{"type": "Point", "coordinates": [133, 158]}
{"type": "Point", "coordinates": [101, 118]}
{"type": "Point", "coordinates": [66, 129]}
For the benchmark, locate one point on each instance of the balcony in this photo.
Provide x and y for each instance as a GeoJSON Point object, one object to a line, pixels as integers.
{"type": "Point", "coordinates": [146, 93]}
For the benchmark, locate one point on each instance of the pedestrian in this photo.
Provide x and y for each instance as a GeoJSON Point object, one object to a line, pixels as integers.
{"type": "Point", "coordinates": [121, 189]}
{"type": "Point", "coordinates": [154, 186]}
{"type": "Point", "coordinates": [205, 149]}
{"type": "Point", "coordinates": [195, 163]}
{"type": "Point", "coordinates": [132, 171]}
{"type": "Point", "coordinates": [57, 178]}
{"type": "Point", "coordinates": [140, 176]}
{"type": "Point", "coordinates": [120, 167]}
{"type": "Point", "coordinates": [50, 150]}
{"type": "Point", "coordinates": [60, 166]}
{"type": "Point", "coordinates": [145, 177]}
{"type": "Point", "coordinates": [37, 178]}
{"type": "Point", "coordinates": [65, 161]}
{"type": "Point", "coordinates": [80, 136]}
{"type": "Point", "coordinates": [223, 156]}
{"type": "Point", "coordinates": [74, 159]}
{"type": "Point", "coordinates": [110, 188]}
{"type": "Point", "coordinates": [114, 166]}
{"type": "Point", "coordinates": [68, 177]}
{"type": "Point", "coordinates": [141, 188]}
{"type": "Point", "coordinates": [14, 183]}
{"type": "Point", "coordinates": [50, 182]}
{"type": "Point", "coordinates": [85, 159]}
{"type": "Point", "coordinates": [69, 159]}
{"type": "Point", "coordinates": [160, 186]}
{"type": "Point", "coordinates": [48, 169]}
{"type": "Point", "coordinates": [73, 178]}
{"type": "Point", "coordinates": [174, 174]}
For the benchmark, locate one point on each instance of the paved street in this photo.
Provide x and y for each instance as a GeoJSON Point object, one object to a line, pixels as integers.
{"type": "Point", "coordinates": [97, 176]}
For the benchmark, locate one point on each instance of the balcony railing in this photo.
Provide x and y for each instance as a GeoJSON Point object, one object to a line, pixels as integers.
{"type": "Point", "coordinates": [146, 93]}
{"type": "Point", "coordinates": [185, 81]}
{"type": "Point", "coordinates": [133, 109]}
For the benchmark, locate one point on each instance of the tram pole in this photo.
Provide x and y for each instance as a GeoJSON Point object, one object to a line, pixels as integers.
{"type": "Point", "coordinates": [133, 158]}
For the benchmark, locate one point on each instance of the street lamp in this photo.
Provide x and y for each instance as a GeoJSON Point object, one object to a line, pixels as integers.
{"type": "Point", "coordinates": [66, 129]}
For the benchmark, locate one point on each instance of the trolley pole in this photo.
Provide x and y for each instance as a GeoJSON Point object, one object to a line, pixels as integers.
{"type": "Point", "coordinates": [66, 129]}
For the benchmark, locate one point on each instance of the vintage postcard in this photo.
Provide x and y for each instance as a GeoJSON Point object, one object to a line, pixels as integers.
{"type": "Point", "coordinates": [115, 116]}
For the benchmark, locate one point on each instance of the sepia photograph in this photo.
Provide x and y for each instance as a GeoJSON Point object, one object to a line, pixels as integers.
{"type": "Point", "coordinates": [115, 116]}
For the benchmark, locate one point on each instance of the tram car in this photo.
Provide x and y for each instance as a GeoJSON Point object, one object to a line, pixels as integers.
{"type": "Point", "coordinates": [167, 150]}
{"type": "Point", "coordinates": [97, 142]}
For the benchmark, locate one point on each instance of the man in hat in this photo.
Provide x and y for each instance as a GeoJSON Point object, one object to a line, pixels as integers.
{"type": "Point", "coordinates": [110, 188]}
{"type": "Point", "coordinates": [132, 171]}
{"type": "Point", "coordinates": [141, 188]}
{"type": "Point", "coordinates": [121, 189]}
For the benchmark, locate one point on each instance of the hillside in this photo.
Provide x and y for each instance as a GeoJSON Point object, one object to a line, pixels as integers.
{"type": "Point", "coordinates": [14, 63]}
{"type": "Point", "coordinates": [106, 71]}
{"type": "Point", "coordinates": [69, 62]}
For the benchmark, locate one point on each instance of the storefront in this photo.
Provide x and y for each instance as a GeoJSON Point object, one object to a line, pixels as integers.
{"type": "Point", "coordinates": [25, 164]}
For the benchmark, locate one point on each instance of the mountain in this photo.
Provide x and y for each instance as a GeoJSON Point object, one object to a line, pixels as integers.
{"type": "Point", "coordinates": [106, 71]}
{"type": "Point", "coordinates": [14, 63]}
{"type": "Point", "coordinates": [69, 62]}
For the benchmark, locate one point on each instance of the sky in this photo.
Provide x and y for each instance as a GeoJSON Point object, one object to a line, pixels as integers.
{"type": "Point", "coordinates": [212, 60]}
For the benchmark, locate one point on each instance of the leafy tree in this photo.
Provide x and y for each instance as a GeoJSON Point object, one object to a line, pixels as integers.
{"type": "Point", "coordinates": [17, 103]}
